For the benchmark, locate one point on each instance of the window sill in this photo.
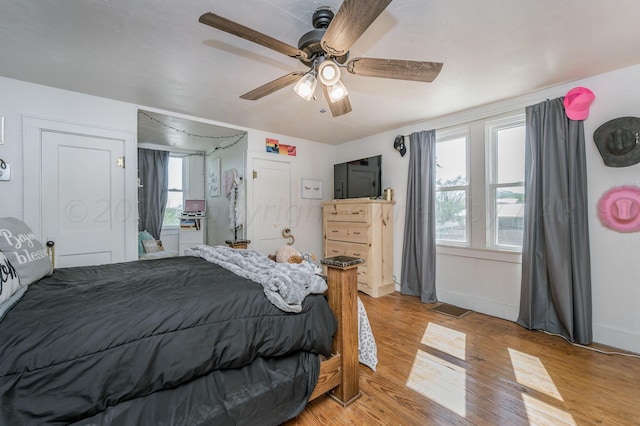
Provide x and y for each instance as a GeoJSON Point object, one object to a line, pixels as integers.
{"type": "Point", "coordinates": [170, 230]}
{"type": "Point", "coordinates": [510, 256]}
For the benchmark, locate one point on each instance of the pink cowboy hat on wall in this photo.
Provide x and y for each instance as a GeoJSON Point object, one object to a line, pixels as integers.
{"type": "Point", "coordinates": [619, 209]}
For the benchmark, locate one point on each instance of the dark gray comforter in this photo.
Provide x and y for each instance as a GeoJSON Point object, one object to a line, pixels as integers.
{"type": "Point", "coordinates": [156, 338]}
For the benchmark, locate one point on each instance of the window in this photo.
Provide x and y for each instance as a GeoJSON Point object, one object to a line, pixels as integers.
{"type": "Point", "coordinates": [479, 176]}
{"type": "Point", "coordinates": [175, 196]}
{"type": "Point", "coordinates": [506, 182]}
{"type": "Point", "coordinates": [452, 188]}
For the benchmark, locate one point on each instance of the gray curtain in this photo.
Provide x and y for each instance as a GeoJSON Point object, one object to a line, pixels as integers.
{"type": "Point", "coordinates": [419, 247]}
{"type": "Point", "coordinates": [153, 172]}
{"type": "Point", "coordinates": [556, 270]}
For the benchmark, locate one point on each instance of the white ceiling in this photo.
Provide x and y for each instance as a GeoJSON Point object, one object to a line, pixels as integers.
{"type": "Point", "coordinates": [156, 54]}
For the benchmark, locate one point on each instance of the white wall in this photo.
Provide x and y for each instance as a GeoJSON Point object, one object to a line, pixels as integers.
{"type": "Point", "coordinates": [195, 177]}
{"type": "Point", "coordinates": [18, 99]}
{"type": "Point", "coordinates": [312, 161]}
{"type": "Point", "coordinates": [489, 282]}
{"type": "Point", "coordinates": [615, 269]}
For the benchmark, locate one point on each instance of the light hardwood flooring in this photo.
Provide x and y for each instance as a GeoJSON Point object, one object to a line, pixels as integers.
{"type": "Point", "coordinates": [479, 370]}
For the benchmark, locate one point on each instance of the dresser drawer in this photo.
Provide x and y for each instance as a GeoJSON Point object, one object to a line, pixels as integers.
{"type": "Point", "coordinates": [340, 248]}
{"type": "Point", "coordinates": [346, 213]}
{"type": "Point", "coordinates": [354, 232]}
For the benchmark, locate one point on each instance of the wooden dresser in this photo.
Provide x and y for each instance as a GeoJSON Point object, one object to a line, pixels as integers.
{"type": "Point", "coordinates": [362, 228]}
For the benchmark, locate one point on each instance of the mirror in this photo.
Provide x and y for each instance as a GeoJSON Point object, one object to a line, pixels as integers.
{"type": "Point", "coordinates": [208, 154]}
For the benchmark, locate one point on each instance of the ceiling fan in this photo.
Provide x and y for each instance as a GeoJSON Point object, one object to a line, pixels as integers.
{"type": "Point", "coordinates": [325, 50]}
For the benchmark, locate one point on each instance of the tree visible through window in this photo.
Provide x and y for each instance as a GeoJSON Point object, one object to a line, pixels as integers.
{"type": "Point", "coordinates": [451, 190]}
{"type": "Point", "coordinates": [173, 209]}
{"type": "Point", "coordinates": [479, 174]}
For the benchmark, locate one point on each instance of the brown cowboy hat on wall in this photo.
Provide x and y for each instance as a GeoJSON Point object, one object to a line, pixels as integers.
{"type": "Point", "coordinates": [617, 141]}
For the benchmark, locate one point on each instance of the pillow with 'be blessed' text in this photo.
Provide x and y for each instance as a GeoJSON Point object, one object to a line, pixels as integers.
{"type": "Point", "coordinates": [9, 282]}
{"type": "Point", "coordinates": [23, 250]}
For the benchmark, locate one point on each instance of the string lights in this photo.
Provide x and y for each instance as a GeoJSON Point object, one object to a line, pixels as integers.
{"type": "Point", "coordinates": [235, 138]}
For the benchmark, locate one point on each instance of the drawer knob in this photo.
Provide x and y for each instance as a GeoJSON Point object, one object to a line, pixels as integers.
{"type": "Point", "coordinates": [356, 232]}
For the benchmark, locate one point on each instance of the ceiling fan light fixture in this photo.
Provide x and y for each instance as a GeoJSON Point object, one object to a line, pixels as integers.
{"type": "Point", "coordinates": [306, 86]}
{"type": "Point", "coordinates": [337, 91]}
{"type": "Point", "coordinates": [329, 73]}
{"type": "Point", "coordinates": [325, 50]}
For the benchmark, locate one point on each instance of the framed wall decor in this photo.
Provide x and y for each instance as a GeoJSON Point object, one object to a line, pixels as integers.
{"type": "Point", "coordinates": [275, 147]}
{"type": "Point", "coordinates": [311, 188]}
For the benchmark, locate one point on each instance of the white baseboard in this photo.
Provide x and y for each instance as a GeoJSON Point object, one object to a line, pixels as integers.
{"type": "Point", "coordinates": [616, 338]}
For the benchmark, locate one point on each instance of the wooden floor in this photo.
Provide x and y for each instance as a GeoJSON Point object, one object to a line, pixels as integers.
{"type": "Point", "coordinates": [479, 370]}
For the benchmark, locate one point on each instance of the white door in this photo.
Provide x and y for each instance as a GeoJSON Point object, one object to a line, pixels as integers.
{"type": "Point", "coordinates": [270, 212]}
{"type": "Point", "coordinates": [84, 208]}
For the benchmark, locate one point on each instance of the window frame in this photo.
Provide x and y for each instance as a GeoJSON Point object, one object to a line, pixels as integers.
{"type": "Point", "coordinates": [445, 136]}
{"type": "Point", "coordinates": [492, 127]}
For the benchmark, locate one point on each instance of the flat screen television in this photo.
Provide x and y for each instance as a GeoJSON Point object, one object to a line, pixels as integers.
{"type": "Point", "coordinates": [358, 178]}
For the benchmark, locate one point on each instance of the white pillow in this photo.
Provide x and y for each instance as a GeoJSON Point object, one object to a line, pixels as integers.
{"type": "Point", "coordinates": [24, 251]}
{"type": "Point", "coordinates": [150, 246]}
{"type": "Point", "coordinates": [9, 282]}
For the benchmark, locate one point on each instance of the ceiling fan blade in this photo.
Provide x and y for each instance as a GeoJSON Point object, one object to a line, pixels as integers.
{"type": "Point", "coordinates": [272, 86]}
{"type": "Point", "coordinates": [395, 68]}
{"type": "Point", "coordinates": [350, 22]}
{"type": "Point", "coordinates": [247, 33]}
{"type": "Point", "coordinates": [338, 108]}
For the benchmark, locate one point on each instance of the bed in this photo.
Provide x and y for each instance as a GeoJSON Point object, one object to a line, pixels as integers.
{"type": "Point", "coordinates": [170, 341]}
